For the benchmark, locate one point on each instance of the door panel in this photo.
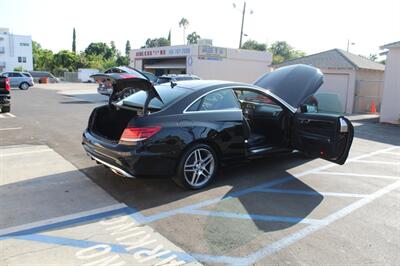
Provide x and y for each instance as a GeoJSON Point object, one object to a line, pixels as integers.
{"type": "Point", "coordinates": [320, 135]}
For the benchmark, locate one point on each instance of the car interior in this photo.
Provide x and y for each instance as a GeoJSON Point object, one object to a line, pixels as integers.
{"type": "Point", "coordinates": [265, 121]}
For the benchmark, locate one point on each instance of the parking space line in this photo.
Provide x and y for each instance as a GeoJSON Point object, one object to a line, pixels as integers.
{"type": "Point", "coordinates": [246, 216]}
{"type": "Point", "coordinates": [358, 175]}
{"type": "Point", "coordinates": [390, 152]}
{"type": "Point", "coordinates": [7, 115]}
{"type": "Point", "coordinates": [26, 152]}
{"type": "Point", "coordinates": [312, 193]}
{"type": "Point", "coordinates": [64, 220]}
{"type": "Point", "coordinates": [302, 233]}
{"type": "Point", "coordinates": [10, 128]}
{"type": "Point", "coordinates": [376, 162]}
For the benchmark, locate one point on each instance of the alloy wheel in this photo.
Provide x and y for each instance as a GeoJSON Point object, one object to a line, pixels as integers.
{"type": "Point", "coordinates": [199, 167]}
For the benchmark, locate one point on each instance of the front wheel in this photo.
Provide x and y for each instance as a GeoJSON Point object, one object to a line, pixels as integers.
{"type": "Point", "coordinates": [197, 167]}
{"type": "Point", "coordinates": [24, 86]}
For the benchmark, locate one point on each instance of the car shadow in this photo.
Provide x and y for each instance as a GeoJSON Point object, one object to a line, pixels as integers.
{"type": "Point", "coordinates": [152, 196]}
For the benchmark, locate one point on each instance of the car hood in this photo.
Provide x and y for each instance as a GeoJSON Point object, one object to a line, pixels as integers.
{"type": "Point", "coordinates": [293, 84]}
{"type": "Point", "coordinates": [124, 84]}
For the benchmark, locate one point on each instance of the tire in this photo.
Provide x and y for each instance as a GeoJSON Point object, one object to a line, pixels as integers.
{"type": "Point", "coordinates": [196, 168]}
{"type": "Point", "coordinates": [5, 109]}
{"type": "Point", "coordinates": [24, 86]}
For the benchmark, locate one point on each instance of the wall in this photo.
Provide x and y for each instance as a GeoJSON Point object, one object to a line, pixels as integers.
{"type": "Point", "coordinates": [351, 74]}
{"type": "Point", "coordinates": [238, 65]}
{"type": "Point", "coordinates": [13, 49]}
{"type": "Point", "coordinates": [390, 110]}
{"type": "Point", "coordinates": [369, 88]}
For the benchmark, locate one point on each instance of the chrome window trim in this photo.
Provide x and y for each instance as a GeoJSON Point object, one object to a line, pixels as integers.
{"type": "Point", "coordinates": [255, 88]}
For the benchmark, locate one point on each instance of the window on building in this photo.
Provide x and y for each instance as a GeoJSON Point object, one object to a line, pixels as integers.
{"type": "Point", "coordinates": [23, 44]}
{"type": "Point", "coordinates": [19, 59]}
{"type": "Point", "coordinates": [23, 59]}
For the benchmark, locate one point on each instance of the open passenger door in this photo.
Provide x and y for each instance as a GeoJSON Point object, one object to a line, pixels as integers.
{"type": "Point", "coordinates": [322, 135]}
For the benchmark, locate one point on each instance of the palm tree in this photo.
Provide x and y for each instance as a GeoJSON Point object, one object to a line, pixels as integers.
{"type": "Point", "coordinates": [184, 23]}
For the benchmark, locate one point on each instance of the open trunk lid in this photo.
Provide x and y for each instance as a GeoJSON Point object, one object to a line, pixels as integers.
{"type": "Point", "coordinates": [124, 85]}
{"type": "Point", "coordinates": [293, 84]}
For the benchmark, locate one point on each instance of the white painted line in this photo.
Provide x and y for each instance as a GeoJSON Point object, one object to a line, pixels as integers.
{"type": "Point", "coordinates": [312, 193]}
{"type": "Point", "coordinates": [28, 226]}
{"type": "Point", "coordinates": [294, 237]}
{"type": "Point", "coordinates": [245, 216]}
{"type": "Point", "coordinates": [22, 153]}
{"type": "Point", "coordinates": [10, 128]}
{"type": "Point", "coordinates": [2, 116]}
{"type": "Point", "coordinates": [376, 162]}
{"type": "Point", "coordinates": [360, 175]}
{"type": "Point", "coordinates": [394, 153]}
{"type": "Point", "coordinates": [10, 114]}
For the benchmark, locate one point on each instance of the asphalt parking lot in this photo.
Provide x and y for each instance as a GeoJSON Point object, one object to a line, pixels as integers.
{"type": "Point", "coordinates": [58, 207]}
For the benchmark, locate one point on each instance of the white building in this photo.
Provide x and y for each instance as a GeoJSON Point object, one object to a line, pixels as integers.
{"type": "Point", "coordinates": [390, 110]}
{"type": "Point", "coordinates": [203, 60]}
{"type": "Point", "coordinates": [15, 51]}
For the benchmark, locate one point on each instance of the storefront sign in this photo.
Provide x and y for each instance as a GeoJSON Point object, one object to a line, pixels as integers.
{"type": "Point", "coordinates": [211, 52]}
{"type": "Point", "coordinates": [162, 52]}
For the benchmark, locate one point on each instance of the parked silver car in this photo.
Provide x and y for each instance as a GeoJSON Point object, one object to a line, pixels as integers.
{"type": "Point", "coordinates": [22, 80]}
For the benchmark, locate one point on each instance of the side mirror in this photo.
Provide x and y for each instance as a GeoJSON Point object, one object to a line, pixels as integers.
{"type": "Point", "coordinates": [303, 108]}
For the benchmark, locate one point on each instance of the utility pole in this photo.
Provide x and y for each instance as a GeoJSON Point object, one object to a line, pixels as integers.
{"type": "Point", "coordinates": [241, 29]}
{"type": "Point", "coordinates": [348, 44]}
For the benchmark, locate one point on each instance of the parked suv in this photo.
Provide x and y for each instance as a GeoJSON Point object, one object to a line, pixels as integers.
{"type": "Point", "coordinates": [22, 80]}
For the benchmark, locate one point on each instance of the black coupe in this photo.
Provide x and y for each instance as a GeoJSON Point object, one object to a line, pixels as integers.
{"type": "Point", "coordinates": [188, 129]}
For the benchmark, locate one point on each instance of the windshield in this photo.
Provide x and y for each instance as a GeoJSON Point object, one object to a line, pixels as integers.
{"type": "Point", "coordinates": [166, 93]}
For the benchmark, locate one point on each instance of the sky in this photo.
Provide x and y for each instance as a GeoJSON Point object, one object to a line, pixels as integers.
{"type": "Point", "coordinates": [308, 25]}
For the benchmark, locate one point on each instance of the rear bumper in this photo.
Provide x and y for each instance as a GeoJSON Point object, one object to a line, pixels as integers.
{"type": "Point", "coordinates": [5, 100]}
{"type": "Point", "coordinates": [128, 161]}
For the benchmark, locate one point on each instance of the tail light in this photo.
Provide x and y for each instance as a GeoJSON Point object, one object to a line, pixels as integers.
{"type": "Point", "coordinates": [7, 84]}
{"type": "Point", "coordinates": [133, 134]}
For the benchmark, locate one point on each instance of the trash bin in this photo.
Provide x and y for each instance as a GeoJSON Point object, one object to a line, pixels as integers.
{"type": "Point", "coordinates": [44, 80]}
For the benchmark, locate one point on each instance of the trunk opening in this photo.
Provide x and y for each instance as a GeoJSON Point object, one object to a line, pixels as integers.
{"type": "Point", "coordinates": [110, 123]}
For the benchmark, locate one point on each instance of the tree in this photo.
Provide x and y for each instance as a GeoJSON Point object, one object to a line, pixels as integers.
{"type": "Point", "coordinates": [254, 45]}
{"type": "Point", "coordinates": [42, 58]}
{"type": "Point", "coordinates": [169, 36]}
{"type": "Point", "coordinates": [66, 60]}
{"type": "Point", "coordinates": [157, 42]}
{"type": "Point", "coordinates": [184, 23]}
{"type": "Point", "coordinates": [193, 37]}
{"type": "Point", "coordinates": [127, 48]}
{"type": "Point", "coordinates": [282, 51]}
{"type": "Point", "coordinates": [74, 41]}
{"type": "Point", "coordinates": [99, 48]}
{"type": "Point", "coordinates": [373, 57]}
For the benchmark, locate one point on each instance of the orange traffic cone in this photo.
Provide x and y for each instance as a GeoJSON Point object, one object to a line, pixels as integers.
{"type": "Point", "coordinates": [373, 107]}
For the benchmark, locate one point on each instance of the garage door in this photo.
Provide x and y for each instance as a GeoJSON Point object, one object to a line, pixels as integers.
{"type": "Point", "coordinates": [332, 96]}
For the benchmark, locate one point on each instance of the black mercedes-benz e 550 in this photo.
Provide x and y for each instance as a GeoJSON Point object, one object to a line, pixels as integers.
{"type": "Point", "coordinates": [187, 129]}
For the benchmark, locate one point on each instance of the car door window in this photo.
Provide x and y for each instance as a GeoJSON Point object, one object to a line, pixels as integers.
{"type": "Point", "coordinates": [260, 102]}
{"type": "Point", "coordinates": [218, 100]}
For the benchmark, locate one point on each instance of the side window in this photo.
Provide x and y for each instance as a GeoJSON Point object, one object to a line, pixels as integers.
{"type": "Point", "coordinates": [257, 102]}
{"type": "Point", "coordinates": [310, 106]}
{"type": "Point", "coordinates": [218, 100]}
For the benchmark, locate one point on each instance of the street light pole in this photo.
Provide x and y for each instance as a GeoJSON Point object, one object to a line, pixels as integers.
{"type": "Point", "coordinates": [241, 29]}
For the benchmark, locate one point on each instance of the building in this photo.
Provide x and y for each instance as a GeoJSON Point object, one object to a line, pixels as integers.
{"type": "Point", "coordinates": [352, 83]}
{"type": "Point", "coordinates": [390, 110]}
{"type": "Point", "coordinates": [15, 51]}
{"type": "Point", "coordinates": [203, 60]}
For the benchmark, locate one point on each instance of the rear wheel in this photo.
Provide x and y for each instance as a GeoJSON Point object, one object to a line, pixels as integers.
{"type": "Point", "coordinates": [24, 86]}
{"type": "Point", "coordinates": [197, 167]}
{"type": "Point", "coordinates": [5, 109]}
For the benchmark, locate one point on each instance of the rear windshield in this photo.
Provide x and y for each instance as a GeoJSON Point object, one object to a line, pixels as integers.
{"type": "Point", "coordinates": [167, 94]}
